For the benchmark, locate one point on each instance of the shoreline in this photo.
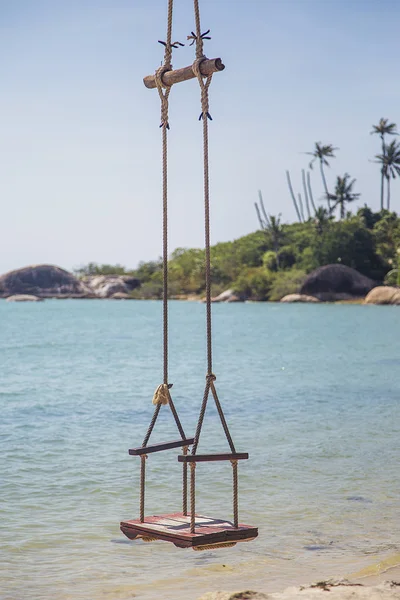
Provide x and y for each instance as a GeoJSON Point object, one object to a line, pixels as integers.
{"type": "Point", "coordinates": [224, 581]}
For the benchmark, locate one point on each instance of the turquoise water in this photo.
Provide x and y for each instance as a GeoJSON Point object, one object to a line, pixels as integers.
{"type": "Point", "coordinates": [312, 392]}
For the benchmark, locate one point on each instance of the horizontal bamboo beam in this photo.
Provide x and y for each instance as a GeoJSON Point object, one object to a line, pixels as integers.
{"type": "Point", "coordinates": [207, 67]}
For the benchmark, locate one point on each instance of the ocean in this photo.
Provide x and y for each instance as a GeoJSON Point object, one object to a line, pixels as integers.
{"type": "Point", "coordinates": [310, 391]}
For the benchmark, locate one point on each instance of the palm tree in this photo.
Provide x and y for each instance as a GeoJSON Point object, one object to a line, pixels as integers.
{"type": "Point", "coordinates": [383, 128]}
{"type": "Point", "coordinates": [271, 226]}
{"type": "Point", "coordinates": [322, 219]}
{"type": "Point", "coordinates": [343, 193]}
{"type": "Point", "coordinates": [390, 161]}
{"type": "Point", "coordinates": [321, 153]}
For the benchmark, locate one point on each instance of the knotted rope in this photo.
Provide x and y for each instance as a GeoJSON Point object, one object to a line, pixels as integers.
{"type": "Point", "coordinates": [162, 395]}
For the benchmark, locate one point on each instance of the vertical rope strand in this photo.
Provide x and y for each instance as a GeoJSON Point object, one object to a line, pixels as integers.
{"type": "Point", "coordinates": [165, 251]}
{"type": "Point", "coordinates": [184, 483]}
{"type": "Point", "coordinates": [207, 243]}
{"type": "Point", "coordinates": [199, 40]}
{"type": "Point", "coordinates": [205, 115]}
{"type": "Point", "coordinates": [142, 485]}
{"type": "Point", "coordinates": [192, 497]}
{"type": "Point", "coordinates": [235, 493]}
{"type": "Point", "coordinates": [169, 25]}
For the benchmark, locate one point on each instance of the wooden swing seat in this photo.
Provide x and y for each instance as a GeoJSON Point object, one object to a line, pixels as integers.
{"type": "Point", "coordinates": [175, 528]}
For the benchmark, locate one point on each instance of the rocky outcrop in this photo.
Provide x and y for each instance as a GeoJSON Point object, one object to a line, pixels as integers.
{"type": "Point", "coordinates": [383, 294]}
{"type": "Point", "coordinates": [49, 281]}
{"type": "Point", "coordinates": [23, 298]}
{"type": "Point", "coordinates": [299, 298]}
{"type": "Point", "coordinates": [337, 282]}
{"type": "Point", "coordinates": [43, 281]}
{"type": "Point", "coordinates": [106, 286]}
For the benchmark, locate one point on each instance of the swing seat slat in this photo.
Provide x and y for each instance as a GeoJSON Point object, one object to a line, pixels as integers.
{"type": "Point", "coordinates": [175, 528]}
{"type": "Point", "coordinates": [190, 458]}
{"type": "Point", "coordinates": [160, 446]}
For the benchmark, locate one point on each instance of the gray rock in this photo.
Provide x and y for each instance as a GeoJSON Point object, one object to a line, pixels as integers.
{"type": "Point", "coordinates": [298, 298]}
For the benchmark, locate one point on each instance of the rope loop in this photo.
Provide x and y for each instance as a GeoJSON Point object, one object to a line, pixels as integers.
{"type": "Point", "coordinates": [205, 113]}
{"type": "Point", "coordinates": [163, 94]}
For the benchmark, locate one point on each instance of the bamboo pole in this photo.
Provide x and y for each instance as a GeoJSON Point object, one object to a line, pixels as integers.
{"type": "Point", "coordinates": [207, 66]}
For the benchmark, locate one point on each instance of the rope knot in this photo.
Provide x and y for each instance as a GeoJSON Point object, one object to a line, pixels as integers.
{"type": "Point", "coordinates": [161, 395]}
{"type": "Point", "coordinates": [211, 377]}
{"type": "Point", "coordinates": [168, 51]}
{"type": "Point", "coordinates": [198, 40]}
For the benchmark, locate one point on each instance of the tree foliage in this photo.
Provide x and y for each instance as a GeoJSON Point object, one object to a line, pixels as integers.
{"type": "Point", "coordinates": [366, 241]}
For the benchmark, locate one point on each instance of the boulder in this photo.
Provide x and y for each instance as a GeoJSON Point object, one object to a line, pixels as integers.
{"type": "Point", "coordinates": [227, 296]}
{"type": "Point", "coordinates": [383, 294]}
{"type": "Point", "coordinates": [106, 286]}
{"type": "Point", "coordinates": [120, 296]}
{"type": "Point", "coordinates": [23, 298]}
{"type": "Point", "coordinates": [337, 282]}
{"type": "Point", "coordinates": [44, 281]}
{"type": "Point", "coordinates": [298, 298]}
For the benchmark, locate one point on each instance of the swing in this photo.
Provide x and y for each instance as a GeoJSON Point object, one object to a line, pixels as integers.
{"type": "Point", "coordinates": [187, 528]}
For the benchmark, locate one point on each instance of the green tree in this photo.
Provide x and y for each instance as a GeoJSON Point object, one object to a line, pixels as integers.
{"type": "Point", "coordinates": [254, 283]}
{"type": "Point", "coordinates": [322, 153]}
{"type": "Point", "coordinates": [390, 161]}
{"type": "Point", "coordinates": [350, 243]}
{"type": "Point", "coordinates": [387, 236]}
{"type": "Point", "coordinates": [286, 282]}
{"type": "Point", "coordinates": [343, 193]}
{"type": "Point", "coordinates": [383, 128]}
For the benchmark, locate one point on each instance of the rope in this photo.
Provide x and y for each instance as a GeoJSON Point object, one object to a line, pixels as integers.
{"type": "Point", "coordinates": [163, 92]}
{"type": "Point", "coordinates": [222, 417]}
{"type": "Point", "coordinates": [184, 483]}
{"type": "Point", "coordinates": [235, 493]}
{"type": "Point", "coordinates": [202, 413]}
{"type": "Point", "coordinates": [192, 497]}
{"type": "Point", "coordinates": [198, 38]}
{"type": "Point", "coordinates": [205, 116]}
{"type": "Point", "coordinates": [142, 485]}
{"type": "Point", "coordinates": [151, 426]}
{"type": "Point", "coordinates": [162, 395]}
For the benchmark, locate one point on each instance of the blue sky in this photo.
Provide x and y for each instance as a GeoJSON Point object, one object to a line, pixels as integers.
{"type": "Point", "coordinates": [79, 139]}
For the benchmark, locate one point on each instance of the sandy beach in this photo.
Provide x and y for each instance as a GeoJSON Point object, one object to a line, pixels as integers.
{"type": "Point", "coordinates": [378, 582]}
